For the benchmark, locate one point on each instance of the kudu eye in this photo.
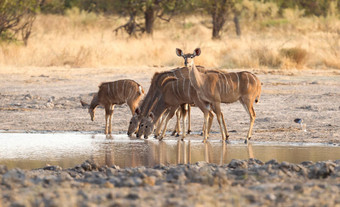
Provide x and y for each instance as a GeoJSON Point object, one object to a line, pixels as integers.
{"type": "Point", "coordinates": [146, 126]}
{"type": "Point", "coordinates": [130, 122]}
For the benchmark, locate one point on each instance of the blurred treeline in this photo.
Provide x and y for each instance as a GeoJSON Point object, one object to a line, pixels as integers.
{"type": "Point", "coordinates": [18, 16]}
{"type": "Point", "coordinates": [310, 7]}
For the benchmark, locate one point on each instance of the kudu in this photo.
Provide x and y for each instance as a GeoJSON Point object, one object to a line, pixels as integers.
{"type": "Point", "coordinates": [154, 92]}
{"type": "Point", "coordinates": [222, 87]}
{"type": "Point", "coordinates": [115, 93]}
{"type": "Point", "coordinates": [175, 92]}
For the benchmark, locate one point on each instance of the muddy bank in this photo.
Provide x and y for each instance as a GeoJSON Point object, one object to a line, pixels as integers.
{"type": "Point", "coordinates": [240, 182]}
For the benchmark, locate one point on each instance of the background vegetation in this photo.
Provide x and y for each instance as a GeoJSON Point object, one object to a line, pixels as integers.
{"type": "Point", "coordinates": [279, 34]}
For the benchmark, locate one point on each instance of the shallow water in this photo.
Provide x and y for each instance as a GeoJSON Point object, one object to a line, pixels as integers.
{"type": "Point", "coordinates": [35, 150]}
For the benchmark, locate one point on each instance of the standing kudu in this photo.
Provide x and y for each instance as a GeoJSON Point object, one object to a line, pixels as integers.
{"type": "Point", "coordinates": [112, 93]}
{"type": "Point", "coordinates": [217, 88]}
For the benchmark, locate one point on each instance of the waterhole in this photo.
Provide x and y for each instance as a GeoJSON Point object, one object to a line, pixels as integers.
{"type": "Point", "coordinates": [35, 150]}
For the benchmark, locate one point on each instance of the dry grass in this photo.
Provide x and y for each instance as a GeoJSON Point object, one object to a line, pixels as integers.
{"type": "Point", "coordinates": [86, 40]}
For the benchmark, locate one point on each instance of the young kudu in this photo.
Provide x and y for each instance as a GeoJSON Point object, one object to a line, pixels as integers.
{"type": "Point", "coordinates": [217, 88]}
{"type": "Point", "coordinates": [112, 93]}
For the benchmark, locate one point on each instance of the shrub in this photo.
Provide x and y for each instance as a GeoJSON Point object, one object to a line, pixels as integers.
{"type": "Point", "coordinates": [296, 55]}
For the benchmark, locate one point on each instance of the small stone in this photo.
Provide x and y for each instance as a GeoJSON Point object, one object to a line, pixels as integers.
{"type": "Point", "coordinates": [108, 185]}
{"type": "Point", "coordinates": [271, 197]}
{"type": "Point", "coordinates": [149, 181]}
{"type": "Point", "coordinates": [237, 164]}
{"type": "Point", "coordinates": [132, 196]}
{"type": "Point", "coordinates": [3, 169]}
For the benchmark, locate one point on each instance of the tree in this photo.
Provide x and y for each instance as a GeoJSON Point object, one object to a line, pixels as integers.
{"type": "Point", "coordinates": [17, 18]}
{"type": "Point", "coordinates": [219, 11]}
{"type": "Point", "coordinates": [150, 10]}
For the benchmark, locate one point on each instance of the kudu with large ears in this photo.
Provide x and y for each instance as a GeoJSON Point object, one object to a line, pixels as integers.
{"type": "Point", "coordinates": [180, 53]}
{"type": "Point", "coordinates": [222, 87]}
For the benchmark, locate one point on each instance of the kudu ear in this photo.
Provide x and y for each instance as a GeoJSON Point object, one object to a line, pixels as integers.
{"type": "Point", "coordinates": [137, 111]}
{"type": "Point", "coordinates": [84, 104]}
{"type": "Point", "coordinates": [197, 51]}
{"type": "Point", "coordinates": [179, 52]}
{"type": "Point", "coordinates": [151, 115]}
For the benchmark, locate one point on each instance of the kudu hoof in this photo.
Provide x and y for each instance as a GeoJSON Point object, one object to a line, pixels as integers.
{"type": "Point", "coordinates": [227, 141]}
{"type": "Point", "coordinates": [177, 135]}
{"type": "Point", "coordinates": [189, 131]}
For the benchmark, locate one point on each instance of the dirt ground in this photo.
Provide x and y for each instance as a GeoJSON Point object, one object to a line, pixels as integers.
{"type": "Point", "coordinates": [48, 99]}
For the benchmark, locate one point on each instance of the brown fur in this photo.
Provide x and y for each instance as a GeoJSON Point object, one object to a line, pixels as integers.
{"type": "Point", "coordinates": [221, 87]}
{"type": "Point", "coordinates": [112, 93]}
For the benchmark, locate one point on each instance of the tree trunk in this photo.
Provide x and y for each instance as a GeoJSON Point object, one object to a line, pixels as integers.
{"type": "Point", "coordinates": [237, 25]}
{"type": "Point", "coordinates": [218, 18]}
{"type": "Point", "coordinates": [149, 17]}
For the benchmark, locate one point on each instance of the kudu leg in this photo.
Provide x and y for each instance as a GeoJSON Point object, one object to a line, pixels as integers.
{"type": "Point", "coordinates": [184, 119]}
{"type": "Point", "coordinates": [106, 123]}
{"type": "Point", "coordinates": [225, 128]}
{"type": "Point", "coordinates": [108, 116]}
{"type": "Point", "coordinates": [178, 124]}
{"type": "Point", "coordinates": [170, 115]}
{"type": "Point", "coordinates": [189, 119]}
{"type": "Point", "coordinates": [205, 126]}
{"type": "Point", "coordinates": [217, 109]}
{"type": "Point", "coordinates": [159, 123]}
{"type": "Point", "coordinates": [211, 118]}
{"type": "Point", "coordinates": [248, 105]}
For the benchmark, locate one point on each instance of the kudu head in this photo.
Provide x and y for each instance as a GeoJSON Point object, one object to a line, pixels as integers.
{"type": "Point", "coordinates": [146, 126]}
{"type": "Point", "coordinates": [188, 58]}
{"type": "Point", "coordinates": [90, 109]}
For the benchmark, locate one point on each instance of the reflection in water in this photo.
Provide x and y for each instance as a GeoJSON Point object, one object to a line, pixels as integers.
{"type": "Point", "coordinates": [67, 150]}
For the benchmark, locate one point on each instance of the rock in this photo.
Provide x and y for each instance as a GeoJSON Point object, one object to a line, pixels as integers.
{"type": "Point", "coordinates": [3, 169]}
{"type": "Point", "coordinates": [321, 170]}
{"type": "Point", "coordinates": [28, 96]}
{"type": "Point", "coordinates": [14, 177]}
{"type": "Point", "coordinates": [271, 197]}
{"type": "Point", "coordinates": [237, 164]}
{"type": "Point", "coordinates": [149, 181]}
{"type": "Point", "coordinates": [86, 166]}
{"type": "Point", "coordinates": [53, 168]}
{"type": "Point", "coordinates": [132, 196]}
{"type": "Point", "coordinates": [272, 162]}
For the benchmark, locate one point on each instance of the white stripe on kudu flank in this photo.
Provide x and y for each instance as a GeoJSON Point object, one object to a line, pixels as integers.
{"type": "Point", "coordinates": [253, 76]}
{"type": "Point", "coordinates": [177, 87]}
{"type": "Point", "coordinates": [123, 89]}
{"type": "Point", "coordinates": [248, 80]}
{"type": "Point", "coordinates": [180, 72]}
{"type": "Point", "coordinates": [226, 83]}
{"type": "Point", "coordinates": [173, 87]}
{"type": "Point", "coordinates": [188, 89]}
{"type": "Point", "coordinates": [183, 86]}
{"type": "Point", "coordinates": [108, 89]}
{"type": "Point", "coordinates": [130, 93]}
{"type": "Point", "coordinates": [238, 81]}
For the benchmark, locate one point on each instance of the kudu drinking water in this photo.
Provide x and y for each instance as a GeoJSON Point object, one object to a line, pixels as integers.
{"type": "Point", "coordinates": [112, 93]}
